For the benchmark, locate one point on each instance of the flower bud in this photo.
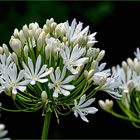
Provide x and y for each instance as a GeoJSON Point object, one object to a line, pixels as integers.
{"type": "Point", "coordinates": [44, 96]}
{"type": "Point", "coordinates": [100, 55]}
{"type": "Point", "coordinates": [16, 45]}
{"type": "Point", "coordinates": [47, 52]}
{"type": "Point", "coordinates": [90, 73]}
{"type": "Point", "coordinates": [41, 41]}
{"type": "Point", "coordinates": [137, 67]}
{"type": "Point", "coordinates": [25, 31]}
{"type": "Point", "coordinates": [26, 50]}
{"type": "Point", "coordinates": [130, 63]}
{"type": "Point", "coordinates": [14, 57]}
{"type": "Point", "coordinates": [107, 105]}
{"type": "Point", "coordinates": [86, 74]}
{"type": "Point", "coordinates": [60, 30]}
{"type": "Point", "coordinates": [124, 65]}
{"type": "Point", "coordinates": [1, 50]}
{"type": "Point", "coordinates": [5, 49]}
{"type": "Point", "coordinates": [21, 37]}
{"type": "Point", "coordinates": [16, 33]}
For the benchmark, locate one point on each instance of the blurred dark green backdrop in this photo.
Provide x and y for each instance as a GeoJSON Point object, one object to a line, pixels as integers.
{"type": "Point", "coordinates": [118, 31]}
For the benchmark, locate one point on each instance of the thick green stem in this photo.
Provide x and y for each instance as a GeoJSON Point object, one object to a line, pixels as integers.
{"type": "Point", "coordinates": [46, 126]}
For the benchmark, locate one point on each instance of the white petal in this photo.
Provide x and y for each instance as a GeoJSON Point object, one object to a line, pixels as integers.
{"type": "Point", "coordinates": [63, 74]}
{"type": "Point", "coordinates": [42, 70]}
{"type": "Point", "coordinates": [82, 99]}
{"type": "Point", "coordinates": [55, 93]}
{"type": "Point", "coordinates": [65, 92]}
{"type": "Point", "coordinates": [22, 88]}
{"type": "Point", "coordinates": [32, 82]}
{"type": "Point", "coordinates": [14, 90]}
{"type": "Point", "coordinates": [68, 87]}
{"type": "Point", "coordinates": [31, 65]}
{"type": "Point", "coordinates": [38, 64]}
{"type": "Point", "coordinates": [52, 77]}
{"type": "Point", "coordinates": [83, 117]}
{"type": "Point", "coordinates": [20, 75]}
{"type": "Point", "coordinates": [75, 113]}
{"type": "Point", "coordinates": [26, 69]}
{"type": "Point", "coordinates": [50, 85]}
{"type": "Point", "coordinates": [67, 51]}
{"type": "Point", "coordinates": [68, 79]}
{"type": "Point", "coordinates": [43, 80]}
{"type": "Point", "coordinates": [57, 73]}
{"type": "Point", "coordinates": [80, 61]}
{"type": "Point", "coordinates": [87, 103]}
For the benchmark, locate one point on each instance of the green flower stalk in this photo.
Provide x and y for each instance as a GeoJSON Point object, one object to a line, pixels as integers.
{"type": "Point", "coordinates": [56, 69]}
{"type": "Point", "coordinates": [129, 79]}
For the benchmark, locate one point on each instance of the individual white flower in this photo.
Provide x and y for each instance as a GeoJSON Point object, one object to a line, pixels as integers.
{"type": "Point", "coordinates": [73, 58]}
{"type": "Point", "coordinates": [13, 80]}
{"type": "Point", "coordinates": [82, 108]}
{"type": "Point", "coordinates": [37, 74]}
{"type": "Point", "coordinates": [60, 83]}
{"type": "Point", "coordinates": [76, 34]}
{"type": "Point", "coordinates": [106, 105]}
{"type": "Point", "coordinates": [110, 86]}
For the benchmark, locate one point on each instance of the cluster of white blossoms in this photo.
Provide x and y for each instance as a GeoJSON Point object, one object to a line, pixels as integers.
{"type": "Point", "coordinates": [129, 79]}
{"type": "Point", "coordinates": [53, 67]}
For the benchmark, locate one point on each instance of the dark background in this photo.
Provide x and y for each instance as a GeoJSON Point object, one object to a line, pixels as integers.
{"type": "Point", "coordinates": [117, 24]}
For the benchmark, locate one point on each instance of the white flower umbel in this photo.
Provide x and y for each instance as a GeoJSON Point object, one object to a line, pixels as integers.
{"type": "Point", "coordinates": [73, 58]}
{"type": "Point", "coordinates": [60, 82]}
{"type": "Point", "coordinates": [13, 80]}
{"type": "Point", "coordinates": [82, 108]}
{"type": "Point", "coordinates": [37, 74]}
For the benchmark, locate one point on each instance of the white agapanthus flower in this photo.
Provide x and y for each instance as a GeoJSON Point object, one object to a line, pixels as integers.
{"type": "Point", "coordinates": [75, 33]}
{"type": "Point", "coordinates": [60, 82]}
{"type": "Point", "coordinates": [73, 58]}
{"type": "Point", "coordinates": [13, 80]}
{"type": "Point", "coordinates": [37, 73]}
{"type": "Point", "coordinates": [137, 53]}
{"type": "Point", "coordinates": [82, 108]}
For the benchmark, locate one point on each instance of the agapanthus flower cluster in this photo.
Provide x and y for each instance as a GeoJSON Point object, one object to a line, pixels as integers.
{"type": "Point", "coordinates": [129, 79]}
{"type": "Point", "coordinates": [55, 68]}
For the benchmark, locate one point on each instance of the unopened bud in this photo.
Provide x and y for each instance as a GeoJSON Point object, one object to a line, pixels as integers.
{"type": "Point", "coordinates": [16, 33]}
{"type": "Point", "coordinates": [16, 45]}
{"type": "Point", "coordinates": [107, 105]}
{"type": "Point", "coordinates": [1, 50]}
{"type": "Point", "coordinates": [100, 55]}
{"type": "Point", "coordinates": [41, 40]}
{"type": "Point", "coordinates": [25, 31]}
{"type": "Point", "coordinates": [44, 96]}
{"type": "Point", "coordinates": [60, 30]}
{"type": "Point", "coordinates": [130, 63]}
{"type": "Point", "coordinates": [14, 57]}
{"type": "Point", "coordinates": [5, 49]}
{"type": "Point", "coordinates": [26, 50]}
{"type": "Point", "coordinates": [22, 37]}
{"type": "Point", "coordinates": [124, 65]}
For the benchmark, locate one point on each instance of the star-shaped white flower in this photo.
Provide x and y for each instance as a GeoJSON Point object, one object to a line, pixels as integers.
{"type": "Point", "coordinates": [82, 108]}
{"type": "Point", "coordinates": [75, 32]}
{"type": "Point", "coordinates": [60, 83]}
{"type": "Point", "coordinates": [13, 80]}
{"type": "Point", "coordinates": [37, 74]}
{"type": "Point", "coordinates": [73, 58]}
